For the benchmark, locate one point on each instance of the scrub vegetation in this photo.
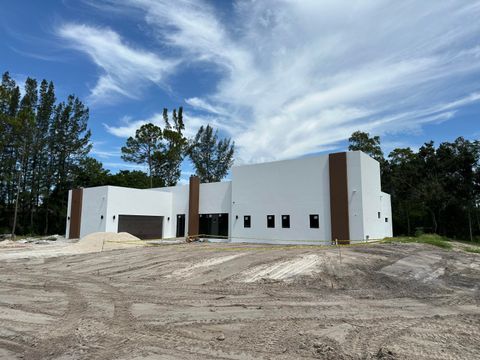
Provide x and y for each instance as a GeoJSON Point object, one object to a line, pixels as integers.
{"type": "Point", "coordinates": [475, 250]}
{"type": "Point", "coordinates": [431, 239]}
{"type": "Point", "coordinates": [434, 190]}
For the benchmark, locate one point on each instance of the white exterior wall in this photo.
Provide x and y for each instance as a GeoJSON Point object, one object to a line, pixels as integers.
{"type": "Point", "coordinates": [215, 198]}
{"type": "Point", "coordinates": [355, 198]}
{"type": "Point", "coordinates": [293, 187]}
{"type": "Point", "coordinates": [179, 196]}
{"type": "Point", "coordinates": [94, 205]}
{"type": "Point", "coordinates": [127, 201]}
{"type": "Point", "coordinates": [366, 199]}
{"type": "Point", "coordinates": [371, 198]}
{"type": "Point", "coordinates": [387, 213]}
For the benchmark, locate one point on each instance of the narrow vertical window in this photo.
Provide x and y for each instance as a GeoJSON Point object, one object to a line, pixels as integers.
{"type": "Point", "coordinates": [270, 221]}
{"type": "Point", "coordinates": [386, 219]}
{"type": "Point", "coordinates": [379, 215]}
{"type": "Point", "coordinates": [314, 221]}
{"type": "Point", "coordinates": [285, 221]}
{"type": "Point", "coordinates": [246, 221]}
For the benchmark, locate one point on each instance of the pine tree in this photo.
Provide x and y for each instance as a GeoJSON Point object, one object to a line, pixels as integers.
{"type": "Point", "coordinates": [169, 156]}
{"type": "Point", "coordinates": [69, 143]}
{"type": "Point", "coordinates": [212, 158]}
{"type": "Point", "coordinates": [140, 149]}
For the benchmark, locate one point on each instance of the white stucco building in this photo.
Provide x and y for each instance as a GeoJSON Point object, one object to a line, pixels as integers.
{"type": "Point", "coordinates": [311, 200]}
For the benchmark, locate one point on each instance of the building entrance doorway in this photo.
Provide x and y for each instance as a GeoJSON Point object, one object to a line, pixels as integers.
{"type": "Point", "coordinates": [180, 225]}
{"type": "Point", "coordinates": [214, 224]}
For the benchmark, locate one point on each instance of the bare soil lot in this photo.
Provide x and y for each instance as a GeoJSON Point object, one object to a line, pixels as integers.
{"type": "Point", "coordinates": [227, 301]}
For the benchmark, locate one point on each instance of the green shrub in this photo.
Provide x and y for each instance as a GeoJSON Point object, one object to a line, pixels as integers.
{"type": "Point", "coordinates": [432, 239]}
{"type": "Point", "coordinates": [475, 250]}
{"type": "Point", "coordinates": [419, 232]}
{"type": "Point", "coordinates": [436, 240]}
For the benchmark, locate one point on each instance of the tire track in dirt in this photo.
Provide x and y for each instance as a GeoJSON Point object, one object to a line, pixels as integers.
{"type": "Point", "coordinates": [119, 304]}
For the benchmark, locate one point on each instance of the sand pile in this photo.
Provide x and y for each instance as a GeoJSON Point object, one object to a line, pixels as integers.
{"type": "Point", "coordinates": [423, 266]}
{"type": "Point", "coordinates": [106, 241]}
{"type": "Point", "coordinates": [10, 244]}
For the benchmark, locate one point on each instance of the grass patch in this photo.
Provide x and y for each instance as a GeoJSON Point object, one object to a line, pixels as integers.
{"type": "Point", "coordinates": [475, 250]}
{"type": "Point", "coordinates": [474, 242]}
{"type": "Point", "coordinates": [432, 239]}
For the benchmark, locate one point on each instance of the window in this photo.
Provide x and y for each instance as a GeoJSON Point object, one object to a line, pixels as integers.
{"type": "Point", "coordinates": [314, 222]}
{"type": "Point", "coordinates": [270, 221]}
{"type": "Point", "coordinates": [286, 221]}
{"type": "Point", "coordinates": [386, 219]}
{"type": "Point", "coordinates": [379, 215]}
{"type": "Point", "coordinates": [246, 221]}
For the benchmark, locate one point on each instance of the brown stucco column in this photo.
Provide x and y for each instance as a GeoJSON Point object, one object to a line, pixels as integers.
{"type": "Point", "coordinates": [75, 213]}
{"type": "Point", "coordinates": [193, 206]}
{"type": "Point", "coordinates": [339, 196]}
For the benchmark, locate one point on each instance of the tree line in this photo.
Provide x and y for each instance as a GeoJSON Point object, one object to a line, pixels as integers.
{"type": "Point", "coordinates": [434, 189]}
{"type": "Point", "coordinates": [45, 146]}
{"type": "Point", "coordinates": [42, 144]}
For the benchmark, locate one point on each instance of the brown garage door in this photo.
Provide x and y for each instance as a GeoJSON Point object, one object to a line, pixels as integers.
{"type": "Point", "coordinates": [143, 227]}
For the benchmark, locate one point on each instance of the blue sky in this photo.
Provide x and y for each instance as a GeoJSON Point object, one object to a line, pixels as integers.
{"type": "Point", "coordinates": [283, 78]}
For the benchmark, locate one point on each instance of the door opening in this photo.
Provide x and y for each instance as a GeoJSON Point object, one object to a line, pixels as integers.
{"type": "Point", "coordinates": [214, 224]}
{"type": "Point", "coordinates": [180, 225]}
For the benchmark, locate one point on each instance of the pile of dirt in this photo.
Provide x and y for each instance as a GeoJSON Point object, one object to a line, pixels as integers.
{"type": "Point", "coordinates": [9, 244]}
{"type": "Point", "coordinates": [106, 241]}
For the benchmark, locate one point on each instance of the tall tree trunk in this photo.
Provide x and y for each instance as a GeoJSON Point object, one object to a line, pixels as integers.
{"type": "Point", "coordinates": [150, 170]}
{"type": "Point", "coordinates": [16, 206]}
{"type": "Point", "coordinates": [408, 223]}
{"type": "Point", "coordinates": [478, 218]}
{"type": "Point", "coordinates": [45, 230]}
{"type": "Point", "coordinates": [434, 222]}
{"type": "Point", "coordinates": [470, 224]}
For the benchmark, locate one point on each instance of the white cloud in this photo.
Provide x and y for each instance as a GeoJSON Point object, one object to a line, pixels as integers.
{"type": "Point", "coordinates": [128, 126]}
{"type": "Point", "coordinates": [104, 154]}
{"type": "Point", "coordinates": [126, 68]}
{"type": "Point", "coordinates": [123, 166]}
{"type": "Point", "coordinates": [204, 105]}
{"type": "Point", "coordinates": [297, 77]}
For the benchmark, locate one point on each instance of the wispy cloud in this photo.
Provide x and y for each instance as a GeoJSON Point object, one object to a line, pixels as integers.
{"type": "Point", "coordinates": [204, 105]}
{"type": "Point", "coordinates": [298, 77]}
{"type": "Point", "coordinates": [123, 166]}
{"type": "Point", "coordinates": [102, 153]}
{"type": "Point", "coordinates": [128, 126]}
{"type": "Point", "coordinates": [126, 69]}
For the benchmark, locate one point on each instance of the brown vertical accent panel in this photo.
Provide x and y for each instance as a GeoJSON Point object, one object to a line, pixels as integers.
{"type": "Point", "coordinates": [339, 196]}
{"type": "Point", "coordinates": [193, 206]}
{"type": "Point", "coordinates": [75, 213]}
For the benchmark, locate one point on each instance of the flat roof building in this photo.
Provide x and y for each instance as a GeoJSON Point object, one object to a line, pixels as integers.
{"type": "Point", "coordinates": [311, 200]}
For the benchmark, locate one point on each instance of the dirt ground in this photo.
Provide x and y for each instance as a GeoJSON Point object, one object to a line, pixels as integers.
{"type": "Point", "coordinates": [228, 301]}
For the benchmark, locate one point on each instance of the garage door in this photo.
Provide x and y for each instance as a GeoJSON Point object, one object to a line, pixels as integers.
{"type": "Point", "coordinates": [143, 227]}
